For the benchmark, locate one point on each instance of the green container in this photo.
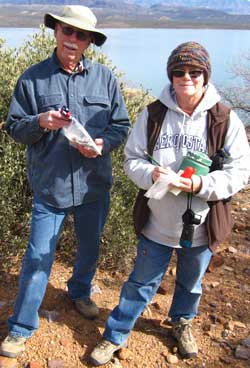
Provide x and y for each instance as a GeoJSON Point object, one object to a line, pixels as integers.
{"type": "Point", "coordinates": [199, 161]}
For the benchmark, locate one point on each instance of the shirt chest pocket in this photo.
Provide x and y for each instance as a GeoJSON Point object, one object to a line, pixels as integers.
{"type": "Point", "coordinates": [96, 111]}
{"type": "Point", "coordinates": [50, 102]}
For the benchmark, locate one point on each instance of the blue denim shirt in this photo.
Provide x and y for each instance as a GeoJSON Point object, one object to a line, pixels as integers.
{"type": "Point", "coordinates": [58, 174]}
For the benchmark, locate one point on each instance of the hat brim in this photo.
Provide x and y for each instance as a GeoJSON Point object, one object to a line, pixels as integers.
{"type": "Point", "coordinates": [50, 21]}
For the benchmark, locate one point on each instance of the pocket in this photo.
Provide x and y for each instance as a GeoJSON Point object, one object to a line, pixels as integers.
{"type": "Point", "coordinates": [101, 101]}
{"type": "Point", "coordinates": [96, 111]}
{"type": "Point", "coordinates": [50, 102]}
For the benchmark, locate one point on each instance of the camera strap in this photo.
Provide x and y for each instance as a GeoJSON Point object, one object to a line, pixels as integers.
{"type": "Point", "coordinates": [190, 196]}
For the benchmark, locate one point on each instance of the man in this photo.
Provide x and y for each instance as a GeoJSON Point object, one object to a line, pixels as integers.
{"type": "Point", "coordinates": [65, 177]}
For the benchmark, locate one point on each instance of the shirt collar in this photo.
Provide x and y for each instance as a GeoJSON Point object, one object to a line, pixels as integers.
{"type": "Point", "coordinates": [83, 65]}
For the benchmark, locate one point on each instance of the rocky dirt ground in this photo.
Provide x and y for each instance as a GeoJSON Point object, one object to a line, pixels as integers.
{"type": "Point", "coordinates": [222, 328]}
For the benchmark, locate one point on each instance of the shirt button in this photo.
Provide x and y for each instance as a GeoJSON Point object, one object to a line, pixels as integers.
{"type": "Point", "coordinates": [71, 95]}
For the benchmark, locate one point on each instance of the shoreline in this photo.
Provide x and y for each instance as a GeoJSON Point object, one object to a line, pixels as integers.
{"type": "Point", "coordinates": [144, 26]}
{"type": "Point", "coordinates": [31, 15]}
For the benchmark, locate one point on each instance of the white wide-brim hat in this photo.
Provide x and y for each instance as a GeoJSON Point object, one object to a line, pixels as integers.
{"type": "Point", "coordinates": [79, 17]}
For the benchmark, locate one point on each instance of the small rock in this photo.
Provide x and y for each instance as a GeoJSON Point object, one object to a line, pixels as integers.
{"type": "Point", "coordinates": [116, 363]}
{"type": "Point", "coordinates": [214, 284]}
{"type": "Point", "coordinates": [206, 288]}
{"type": "Point", "coordinates": [147, 312]}
{"type": "Point", "coordinates": [227, 360]}
{"type": "Point", "coordinates": [172, 359]}
{"type": "Point", "coordinates": [206, 326]}
{"type": "Point", "coordinates": [164, 354]}
{"type": "Point", "coordinates": [56, 364]}
{"type": "Point", "coordinates": [239, 324]}
{"type": "Point", "coordinates": [96, 289]}
{"type": "Point", "coordinates": [247, 270]}
{"type": "Point", "coordinates": [229, 325]}
{"type": "Point", "coordinates": [167, 322]}
{"type": "Point", "coordinates": [8, 362]}
{"type": "Point", "coordinates": [232, 249]}
{"type": "Point", "coordinates": [227, 268]}
{"type": "Point", "coordinates": [51, 316]}
{"type": "Point", "coordinates": [2, 303]}
{"type": "Point", "coordinates": [175, 349]}
{"type": "Point", "coordinates": [225, 333]}
{"type": "Point", "coordinates": [124, 354]}
{"type": "Point", "coordinates": [213, 318]}
{"type": "Point", "coordinates": [242, 352]}
{"type": "Point", "coordinates": [156, 305]}
{"type": "Point", "coordinates": [246, 342]}
{"type": "Point", "coordinates": [34, 364]}
{"type": "Point", "coordinates": [213, 304]}
{"type": "Point", "coordinates": [65, 342]}
{"type": "Point", "coordinates": [216, 261]}
{"type": "Point", "coordinates": [163, 288]}
{"type": "Point", "coordinates": [172, 271]}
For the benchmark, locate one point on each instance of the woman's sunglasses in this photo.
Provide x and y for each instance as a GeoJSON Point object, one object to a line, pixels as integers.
{"type": "Point", "coordinates": [191, 73]}
{"type": "Point", "coordinates": [80, 35]}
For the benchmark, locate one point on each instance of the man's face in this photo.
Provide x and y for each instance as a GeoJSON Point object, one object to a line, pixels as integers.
{"type": "Point", "coordinates": [71, 43]}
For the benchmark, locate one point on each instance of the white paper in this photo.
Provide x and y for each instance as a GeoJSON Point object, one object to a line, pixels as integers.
{"type": "Point", "coordinates": [163, 185]}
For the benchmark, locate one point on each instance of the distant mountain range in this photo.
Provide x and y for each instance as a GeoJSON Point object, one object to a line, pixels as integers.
{"type": "Point", "coordinates": [228, 6]}
{"type": "Point", "coordinates": [136, 13]}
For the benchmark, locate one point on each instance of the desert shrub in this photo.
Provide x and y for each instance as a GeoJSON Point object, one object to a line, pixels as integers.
{"type": "Point", "coordinates": [118, 240]}
{"type": "Point", "coordinates": [237, 95]}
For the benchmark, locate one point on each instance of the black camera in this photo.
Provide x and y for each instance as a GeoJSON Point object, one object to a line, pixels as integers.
{"type": "Point", "coordinates": [189, 219]}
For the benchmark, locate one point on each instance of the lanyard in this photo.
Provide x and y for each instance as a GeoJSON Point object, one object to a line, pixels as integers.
{"type": "Point", "coordinates": [190, 197]}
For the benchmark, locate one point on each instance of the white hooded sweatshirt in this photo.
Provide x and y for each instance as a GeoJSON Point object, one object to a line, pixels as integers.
{"type": "Point", "coordinates": [179, 134]}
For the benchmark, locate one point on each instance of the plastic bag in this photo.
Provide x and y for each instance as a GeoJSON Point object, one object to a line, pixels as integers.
{"type": "Point", "coordinates": [76, 133]}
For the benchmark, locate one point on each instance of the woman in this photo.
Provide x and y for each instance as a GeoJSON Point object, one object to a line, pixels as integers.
{"type": "Point", "coordinates": [188, 99]}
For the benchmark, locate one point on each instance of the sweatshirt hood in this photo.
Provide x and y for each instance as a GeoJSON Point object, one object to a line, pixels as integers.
{"type": "Point", "coordinates": [210, 98]}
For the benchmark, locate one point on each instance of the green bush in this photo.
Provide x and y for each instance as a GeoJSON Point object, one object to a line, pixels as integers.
{"type": "Point", "coordinates": [118, 240]}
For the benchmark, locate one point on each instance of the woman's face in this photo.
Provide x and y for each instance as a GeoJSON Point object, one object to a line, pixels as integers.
{"type": "Point", "coordinates": [188, 81]}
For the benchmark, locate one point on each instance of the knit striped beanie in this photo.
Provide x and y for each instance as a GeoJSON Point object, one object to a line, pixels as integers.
{"type": "Point", "coordinates": [189, 53]}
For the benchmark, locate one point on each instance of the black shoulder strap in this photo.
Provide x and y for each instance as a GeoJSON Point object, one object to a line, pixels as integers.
{"type": "Point", "coordinates": [156, 114]}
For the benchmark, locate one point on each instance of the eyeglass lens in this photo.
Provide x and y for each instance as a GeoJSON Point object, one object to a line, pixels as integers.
{"type": "Point", "coordinates": [80, 35]}
{"type": "Point", "coordinates": [192, 73]}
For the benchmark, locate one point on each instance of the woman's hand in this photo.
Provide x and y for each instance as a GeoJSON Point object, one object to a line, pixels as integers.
{"type": "Point", "coordinates": [158, 171]}
{"type": "Point", "coordinates": [187, 186]}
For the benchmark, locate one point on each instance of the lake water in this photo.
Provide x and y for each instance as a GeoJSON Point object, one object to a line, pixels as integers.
{"type": "Point", "coordinates": [142, 53]}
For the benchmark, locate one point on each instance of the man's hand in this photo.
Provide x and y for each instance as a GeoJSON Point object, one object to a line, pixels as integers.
{"type": "Point", "coordinates": [52, 120]}
{"type": "Point", "coordinates": [88, 152]}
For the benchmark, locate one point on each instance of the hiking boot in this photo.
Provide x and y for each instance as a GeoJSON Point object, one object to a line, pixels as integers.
{"type": "Point", "coordinates": [87, 308]}
{"type": "Point", "coordinates": [182, 331]}
{"type": "Point", "coordinates": [12, 346]}
{"type": "Point", "coordinates": [104, 351]}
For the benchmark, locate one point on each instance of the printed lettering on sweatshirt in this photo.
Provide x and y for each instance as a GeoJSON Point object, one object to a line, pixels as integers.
{"type": "Point", "coordinates": [178, 141]}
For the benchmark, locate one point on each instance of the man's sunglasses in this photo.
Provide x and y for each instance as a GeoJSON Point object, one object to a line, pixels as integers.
{"type": "Point", "coordinates": [182, 73]}
{"type": "Point", "coordinates": [80, 35]}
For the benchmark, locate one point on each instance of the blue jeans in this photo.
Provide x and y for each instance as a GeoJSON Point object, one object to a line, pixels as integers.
{"type": "Point", "coordinates": [150, 266]}
{"type": "Point", "coordinates": [46, 226]}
